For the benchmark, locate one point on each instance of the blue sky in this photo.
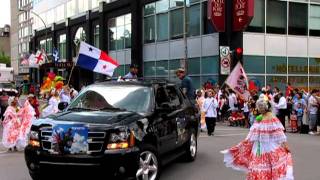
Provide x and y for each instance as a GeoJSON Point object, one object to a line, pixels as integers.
{"type": "Point", "coordinates": [5, 13]}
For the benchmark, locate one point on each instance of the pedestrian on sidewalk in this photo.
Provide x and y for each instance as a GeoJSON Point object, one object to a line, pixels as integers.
{"type": "Point", "coordinates": [3, 103]}
{"type": "Point", "coordinates": [210, 106]}
{"type": "Point", "coordinates": [313, 112]}
{"type": "Point", "coordinates": [200, 100]}
{"type": "Point", "coordinates": [282, 109]}
{"type": "Point", "coordinates": [264, 154]}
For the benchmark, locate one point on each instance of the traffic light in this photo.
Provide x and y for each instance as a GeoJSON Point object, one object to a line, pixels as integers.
{"type": "Point", "coordinates": [238, 54]}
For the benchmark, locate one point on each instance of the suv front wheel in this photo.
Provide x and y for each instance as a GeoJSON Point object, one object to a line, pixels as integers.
{"type": "Point", "coordinates": [149, 165]}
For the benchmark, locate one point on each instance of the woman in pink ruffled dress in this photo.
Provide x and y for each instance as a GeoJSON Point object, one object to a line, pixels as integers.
{"type": "Point", "coordinates": [26, 115]}
{"type": "Point", "coordinates": [11, 125]}
{"type": "Point", "coordinates": [264, 154]}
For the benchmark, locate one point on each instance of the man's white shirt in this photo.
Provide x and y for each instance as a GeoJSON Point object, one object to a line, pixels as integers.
{"type": "Point", "coordinates": [210, 106]}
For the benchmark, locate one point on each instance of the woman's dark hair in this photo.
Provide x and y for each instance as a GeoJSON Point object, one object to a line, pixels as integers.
{"type": "Point", "coordinates": [314, 91]}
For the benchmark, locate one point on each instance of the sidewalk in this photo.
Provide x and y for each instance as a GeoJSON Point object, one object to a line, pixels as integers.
{"type": "Point", "coordinates": [2, 149]}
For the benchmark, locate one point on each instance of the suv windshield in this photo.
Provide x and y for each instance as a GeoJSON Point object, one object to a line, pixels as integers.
{"type": "Point", "coordinates": [6, 85]}
{"type": "Point", "coordinates": [129, 98]}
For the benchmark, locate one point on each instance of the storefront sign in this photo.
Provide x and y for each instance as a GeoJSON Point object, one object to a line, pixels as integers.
{"type": "Point", "coordinates": [216, 13]}
{"type": "Point", "coordinates": [243, 12]}
{"type": "Point", "coordinates": [225, 60]}
{"type": "Point", "coordinates": [58, 65]}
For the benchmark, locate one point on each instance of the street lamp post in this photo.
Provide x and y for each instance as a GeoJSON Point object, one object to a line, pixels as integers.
{"type": "Point", "coordinates": [185, 32]}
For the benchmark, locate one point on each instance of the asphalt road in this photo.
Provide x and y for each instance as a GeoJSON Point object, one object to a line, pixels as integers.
{"type": "Point", "coordinates": [208, 165]}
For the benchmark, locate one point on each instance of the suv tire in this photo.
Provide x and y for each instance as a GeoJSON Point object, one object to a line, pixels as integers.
{"type": "Point", "coordinates": [191, 147]}
{"type": "Point", "coordinates": [149, 163]}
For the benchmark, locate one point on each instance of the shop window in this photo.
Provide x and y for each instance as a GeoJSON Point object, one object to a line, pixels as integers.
{"type": "Point", "coordinates": [209, 65]}
{"type": "Point", "coordinates": [276, 65]}
{"type": "Point", "coordinates": [120, 32]}
{"type": "Point", "coordinates": [193, 17]}
{"type": "Point", "coordinates": [162, 68]}
{"type": "Point", "coordinates": [314, 20]}
{"type": "Point", "coordinates": [149, 9]}
{"type": "Point", "coordinates": [297, 65]}
{"type": "Point", "coordinates": [256, 82]}
{"type": "Point", "coordinates": [62, 46]}
{"type": "Point", "coordinates": [162, 27]}
{"type": "Point", "coordinates": [196, 81]}
{"type": "Point", "coordinates": [149, 68]}
{"type": "Point", "coordinates": [257, 23]}
{"type": "Point", "coordinates": [314, 82]}
{"type": "Point", "coordinates": [277, 81]}
{"type": "Point", "coordinates": [176, 23]}
{"type": "Point", "coordinates": [127, 36]}
{"type": "Point", "coordinates": [191, 2]}
{"type": "Point", "coordinates": [276, 17]}
{"type": "Point", "coordinates": [112, 38]}
{"type": "Point", "coordinates": [149, 29]}
{"type": "Point", "coordinates": [194, 66]}
{"type": "Point", "coordinates": [314, 66]}
{"type": "Point", "coordinates": [176, 3]}
{"type": "Point", "coordinates": [254, 64]}
{"type": "Point", "coordinates": [300, 82]}
{"type": "Point", "coordinates": [298, 18]}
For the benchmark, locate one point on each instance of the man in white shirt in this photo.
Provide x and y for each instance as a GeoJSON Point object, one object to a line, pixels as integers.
{"type": "Point", "coordinates": [282, 109]}
{"type": "Point", "coordinates": [232, 100]}
{"type": "Point", "coordinates": [210, 106]}
{"type": "Point", "coordinates": [313, 112]}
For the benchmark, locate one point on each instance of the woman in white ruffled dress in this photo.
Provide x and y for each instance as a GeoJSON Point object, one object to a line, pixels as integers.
{"type": "Point", "coordinates": [53, 103]}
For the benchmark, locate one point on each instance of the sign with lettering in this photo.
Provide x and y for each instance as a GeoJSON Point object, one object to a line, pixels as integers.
{"type": "Point", "coordinates": [225, 60]}
{"type": "Point", "coordinates": [243, 12]}
{"type": "Point", "coordinates": [216, 14]}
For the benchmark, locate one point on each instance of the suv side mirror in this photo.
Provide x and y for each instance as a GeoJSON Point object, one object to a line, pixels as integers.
{"type": "Point", "coordinates": [62, 106]}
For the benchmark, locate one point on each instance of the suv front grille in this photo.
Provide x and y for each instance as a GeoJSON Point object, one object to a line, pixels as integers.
{"type": "Point", "coordinates": [95, 140]}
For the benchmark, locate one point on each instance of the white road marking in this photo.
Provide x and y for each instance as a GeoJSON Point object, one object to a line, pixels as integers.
{"type": "Point", "coordinates": [223, 135]}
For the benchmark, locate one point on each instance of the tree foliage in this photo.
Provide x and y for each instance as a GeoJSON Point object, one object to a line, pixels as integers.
{"type": "Point", "coordinates": [4, 59]}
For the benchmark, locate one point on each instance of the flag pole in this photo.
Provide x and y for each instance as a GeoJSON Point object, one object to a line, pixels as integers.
{"type": "Point", "coordinates": [74, 64]}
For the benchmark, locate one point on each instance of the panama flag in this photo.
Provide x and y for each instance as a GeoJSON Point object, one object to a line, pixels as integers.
{"type": "Point", "coordinates": [93, 59]}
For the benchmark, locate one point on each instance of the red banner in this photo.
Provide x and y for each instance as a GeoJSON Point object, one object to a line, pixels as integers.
{"type": "Point", "coordinates": [216, 13]}
{"type": "Point", "coordinates": [243, 12]}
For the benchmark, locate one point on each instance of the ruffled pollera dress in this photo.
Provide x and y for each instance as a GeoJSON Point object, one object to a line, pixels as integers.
{"type": "Point", "coordinates": [261, 155]}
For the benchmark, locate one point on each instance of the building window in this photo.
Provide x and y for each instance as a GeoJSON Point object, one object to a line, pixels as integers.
{"type": "Point", "coordinates": [257, 24]}
{"type": "Point", "coordinates": [120, 32]}
{"type": "Point", "coordinates": [62, 46]}
{"type": "Point", "coordinates": [162, 6]}
{"type": "Point", "coordinates": [254, 64]}
{"type": "Point", "coordinates": [176, 3]}
{"type": "Point", "coordinates": [314, 82]}
{"type": "Point", "coordinates": [96, 33]}
{"type": "Point", "coordinates": [162, 68]}
{"type": "Point", "coordinates": [298, 18]}
{"type": "Point", "coordinates": [210, 65]}
{"type": "Point", "coordinates": [256, 81]}
{"type": "Point", "coordinates": [71, 8]}
{"type": "Point", "coordinates": [149, 69]}
{"type": "Point", "coordinates": [83, 5]}
{"type": "Point", "coordinates": [193, 20]}
{"type": "Point", "coordinates": [176, 23]}
{"type": "Point", "coordinates": [277, 81]}
{"type": "Point", "coordinates": [46, 45]}
{"type": "Point", "coordinates": [276, 17]}
{"type": "Point", "coordinates": [60, 13]}
{"type": "Point", "coordinates": [314, 20]}
{"type": "Point", "coordinates": [314, 66]}
{"type": "Point", "coordinates": [162, 27]}
{"type": "Point", "coordinates": [149, 29]}
{"type": "Point", "coordinates": [79, 36]}
{"type": "Point", "coordinates": [276, 65]}
{"type": "Point", "coordinates": [149, 9]}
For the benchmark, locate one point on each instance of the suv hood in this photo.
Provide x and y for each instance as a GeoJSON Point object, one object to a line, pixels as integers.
{"type": "Point", "coordinates": [93, 117]}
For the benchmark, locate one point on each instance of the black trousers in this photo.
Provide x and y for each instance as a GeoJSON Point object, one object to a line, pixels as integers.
{"type": "Point", "coordinates": [211, 124]}
{"type": "Point", "coordinates": [282, 117]}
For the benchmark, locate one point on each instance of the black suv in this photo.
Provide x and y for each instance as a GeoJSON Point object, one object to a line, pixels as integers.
{"type": "Point", "coordinates": [126, 128]}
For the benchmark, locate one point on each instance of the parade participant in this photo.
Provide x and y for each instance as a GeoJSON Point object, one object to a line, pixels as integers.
{"type": "Point", "coordinates": [282, 109]}
{"type": "Point", "coordinates": [313, 112]}
{"type": "Point", "coordinates": [65, 95]}
{"type": "Point", "coordinates": [52, 105]}
{"type": "Point", "coordinates": [294, 121]}
{"type": "Point", "coordinates": [11, 125]}
{"type": "Point", "coordinates": [264, 154]}
{"type": "Point", "coordinates": [200, 100]}
{"type": "Point", "coordinates": [73, 92]}
{"type": "Point", "coordinates": [186, 83]}
{"type": "Point", "coordinates": [26, 116]}
{"type": "Point", "coordinates": [209, 107]}
{"type": "Point", "coordinates": [133, 74]}
{"type": "Point", "coordinates": [35, 104]}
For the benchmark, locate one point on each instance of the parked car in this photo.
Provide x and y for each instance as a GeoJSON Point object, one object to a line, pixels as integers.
{"type": "Point", "coordinates": [9, 88]}
{"type": "Point", "coordinates": [129, 129]}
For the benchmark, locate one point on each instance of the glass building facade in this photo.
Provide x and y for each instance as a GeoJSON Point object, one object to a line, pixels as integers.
{"type": "Point", "coordinates": [280, 45]}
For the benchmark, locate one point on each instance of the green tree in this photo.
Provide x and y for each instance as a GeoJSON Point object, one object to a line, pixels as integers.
{"type": "Point", "coordinates": [4, 59]}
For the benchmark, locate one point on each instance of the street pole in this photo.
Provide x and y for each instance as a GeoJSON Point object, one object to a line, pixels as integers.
{"type": "Point", "coordinates": [185, 32]}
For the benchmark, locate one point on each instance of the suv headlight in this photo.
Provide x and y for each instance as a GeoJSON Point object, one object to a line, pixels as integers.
{"type": "Point", "coordinates": [121, 140]}
{"type": "Point", "coordinates": [34, 139]}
